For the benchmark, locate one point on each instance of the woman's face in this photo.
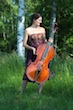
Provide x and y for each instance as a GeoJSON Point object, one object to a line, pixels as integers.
{"type": "Point", "coordinates": [38, 21]}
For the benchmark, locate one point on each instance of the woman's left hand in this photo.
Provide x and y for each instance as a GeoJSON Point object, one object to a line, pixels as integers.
{"type": "Point", "coordinates": [50, 40]}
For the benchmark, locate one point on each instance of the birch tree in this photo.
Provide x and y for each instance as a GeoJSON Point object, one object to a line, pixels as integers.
{"type": "Point", "coordinates": [53, 20]}
{"type": "Point", "coordinates": [20, 30]}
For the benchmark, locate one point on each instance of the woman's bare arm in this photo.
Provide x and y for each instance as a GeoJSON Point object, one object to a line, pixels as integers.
{"type": "Point", "coordinates": [25, 42]}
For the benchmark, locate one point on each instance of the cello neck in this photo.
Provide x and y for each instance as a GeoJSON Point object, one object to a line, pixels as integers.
{"type": "Point", "coordinates": [46, 50]}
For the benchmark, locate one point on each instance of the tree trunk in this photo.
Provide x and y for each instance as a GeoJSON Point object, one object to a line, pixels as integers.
{"type": "Point", "coordinates": [52, 23]}
{"type": "Point", "coordinates": [20, 33]}
{"type": "Point", "coordinates": [53, 20]}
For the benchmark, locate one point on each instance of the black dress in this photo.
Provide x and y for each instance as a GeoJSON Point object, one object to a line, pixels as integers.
{"type": "Point", "coordinates": [34, 40]}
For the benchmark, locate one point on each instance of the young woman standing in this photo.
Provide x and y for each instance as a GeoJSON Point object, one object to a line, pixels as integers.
{"type": "Point", "coordinates": [34, 36]}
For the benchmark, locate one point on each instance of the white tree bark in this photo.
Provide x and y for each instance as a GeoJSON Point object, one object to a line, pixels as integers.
{"type": "Point", "coordinates": [20, 30]}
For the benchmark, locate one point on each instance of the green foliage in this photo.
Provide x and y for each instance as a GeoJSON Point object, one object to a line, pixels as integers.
{"type": "Point", "coordinates": [57, 93]}
{"type": "Point", "coordinates": [8, 22]}
{"type": "Point", "coordinates": [8, 25]}
{"type": "Point", "coordinates": [65, 18]}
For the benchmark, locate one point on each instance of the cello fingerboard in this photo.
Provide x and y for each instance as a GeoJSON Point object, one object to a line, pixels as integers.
{"type": "Point", "coordinates": [46, 50]}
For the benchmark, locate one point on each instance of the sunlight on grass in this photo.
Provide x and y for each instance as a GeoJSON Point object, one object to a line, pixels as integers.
{"type": "Point", "coordinates": [57, 93]}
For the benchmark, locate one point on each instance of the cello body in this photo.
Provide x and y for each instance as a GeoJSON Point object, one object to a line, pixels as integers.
{"type": "Point", "coordinates": [38, 70]}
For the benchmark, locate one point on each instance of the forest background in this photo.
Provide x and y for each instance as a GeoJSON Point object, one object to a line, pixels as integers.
{"type": "Point", "coordinates": [9, 23]}
{"type": "Point", "coordinates": [57, 93]}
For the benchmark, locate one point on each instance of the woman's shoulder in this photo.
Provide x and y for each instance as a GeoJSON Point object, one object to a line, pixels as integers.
{"type": "Point", "coordinates": [27, 30]}
{"type": "Point", "coordinates": [42, 29]}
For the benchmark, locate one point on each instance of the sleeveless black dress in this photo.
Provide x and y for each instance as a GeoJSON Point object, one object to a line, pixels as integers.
{"type": "Point", "coordinates": [34, 40]}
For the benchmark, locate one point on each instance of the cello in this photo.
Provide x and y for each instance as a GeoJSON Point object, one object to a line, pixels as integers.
{"type": "Point", "coordinates": [38, 70]}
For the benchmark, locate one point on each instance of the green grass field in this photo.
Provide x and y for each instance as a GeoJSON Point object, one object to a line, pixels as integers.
{"type": "Point", "coordinates": [57, 92]}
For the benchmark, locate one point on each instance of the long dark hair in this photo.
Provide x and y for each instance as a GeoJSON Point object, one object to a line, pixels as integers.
{"type": "Point", "coordinates": [35, 16]}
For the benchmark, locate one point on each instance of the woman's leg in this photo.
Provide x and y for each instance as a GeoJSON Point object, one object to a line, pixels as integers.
{"type": "Point", "coordinates": [40, 87]}
{"type": "Point", "coordinates": [23, 86]}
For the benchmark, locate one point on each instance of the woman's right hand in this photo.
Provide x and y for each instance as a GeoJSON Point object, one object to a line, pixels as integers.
{"type": "Point", "coordinates": [34, 50]}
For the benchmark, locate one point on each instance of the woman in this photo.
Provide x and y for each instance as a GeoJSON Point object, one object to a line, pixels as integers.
{"type": "Point", "coordinates": [34, 36]}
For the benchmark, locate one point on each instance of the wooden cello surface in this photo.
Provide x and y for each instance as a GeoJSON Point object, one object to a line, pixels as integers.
{"type": "Point", "coordinates": [38, 70]}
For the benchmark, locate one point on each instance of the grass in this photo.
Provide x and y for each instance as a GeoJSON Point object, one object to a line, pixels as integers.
{"type": "Point", "coordinates": [57, 93]}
